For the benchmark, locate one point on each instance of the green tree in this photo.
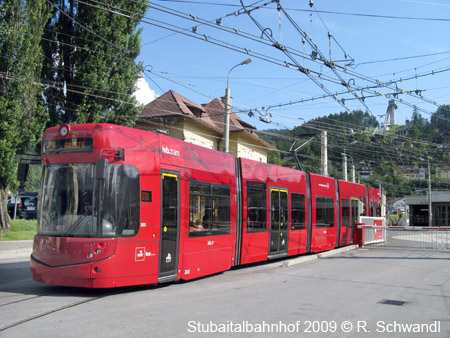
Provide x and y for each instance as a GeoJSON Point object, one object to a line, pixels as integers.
{"type": "Point", "coordinates": [22, 114]}
{"type": "Point", "coordinates": [90, 62]}
{"type": "Point", "coordinates": [440, 121]}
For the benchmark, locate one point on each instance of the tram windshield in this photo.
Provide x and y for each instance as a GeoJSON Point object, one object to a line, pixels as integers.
{"type": "Point", "coordinates": [74, 203]}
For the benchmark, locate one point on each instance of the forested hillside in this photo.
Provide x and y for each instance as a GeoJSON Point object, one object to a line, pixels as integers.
{"type": "Point", "coordinates": [403, 148]}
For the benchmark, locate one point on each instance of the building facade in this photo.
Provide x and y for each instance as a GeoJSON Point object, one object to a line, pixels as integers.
{"type": "Point", "coordinates": [440, 207]}
{"type": "Point", "coordinates": [203, 125]}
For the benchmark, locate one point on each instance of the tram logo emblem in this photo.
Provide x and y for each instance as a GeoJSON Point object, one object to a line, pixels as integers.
{"type": "Point", "coordinates": [170, 151]}
{"type": "Point", "coordinates": [141, 253]}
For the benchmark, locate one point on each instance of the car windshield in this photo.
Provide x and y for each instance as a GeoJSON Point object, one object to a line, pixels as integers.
{"type": "Point", "coordinates": [76, 204]}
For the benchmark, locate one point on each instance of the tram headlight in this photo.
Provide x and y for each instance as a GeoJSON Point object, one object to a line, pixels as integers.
{"type": "Point", "coordinates": [64, 130]}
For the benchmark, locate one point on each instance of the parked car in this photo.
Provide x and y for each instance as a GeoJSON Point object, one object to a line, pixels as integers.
{"type": "Point", "coordinates": [26, 205]}
{"type": "Point", "coordinates": [11, 204]}
{"type": "Point", "coordinates": [29, 207]}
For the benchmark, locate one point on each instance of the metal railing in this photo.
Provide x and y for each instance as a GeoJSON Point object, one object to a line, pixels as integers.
{"type": "Point", "coordinates": [432, 238]}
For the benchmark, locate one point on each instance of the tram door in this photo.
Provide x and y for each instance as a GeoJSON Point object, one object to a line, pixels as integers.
{"type": "Point", "coordinates": [168, 253]}
{"type": "Point", "coordinates": [279, 222]}
{"type": "Point", "coordinates": [346, 228]}
{"type": "Point", "coordinates": [354, 214]}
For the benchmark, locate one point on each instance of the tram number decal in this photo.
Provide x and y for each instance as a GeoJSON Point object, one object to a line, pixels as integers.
{"type": "Point", "coordinates": [141, 253]}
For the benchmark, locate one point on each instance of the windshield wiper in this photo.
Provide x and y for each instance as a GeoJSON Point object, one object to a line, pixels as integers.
{"type": "Point", "coordinates": [74, 226]}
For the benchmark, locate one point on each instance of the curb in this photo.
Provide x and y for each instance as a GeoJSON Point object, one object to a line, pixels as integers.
{"type": "Point", "coordinates": [12, 254]}
{"type": "Point", "coordinates": [304, 259]}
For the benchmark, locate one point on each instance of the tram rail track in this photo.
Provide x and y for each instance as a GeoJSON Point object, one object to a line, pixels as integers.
{"type": "Point", "coordinates": [21, 300]}
{"type": "Point", "coordinates": [98, 294]}
{"type": "Point", "coordinates": [46, 313]}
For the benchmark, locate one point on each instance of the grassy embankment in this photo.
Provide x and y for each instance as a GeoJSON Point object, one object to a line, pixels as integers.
{"type": "Point", "coordinates": [21, 229]}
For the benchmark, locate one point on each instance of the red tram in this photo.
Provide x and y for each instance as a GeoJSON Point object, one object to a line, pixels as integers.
{"type": "Point", "coordinates": [121, 206]}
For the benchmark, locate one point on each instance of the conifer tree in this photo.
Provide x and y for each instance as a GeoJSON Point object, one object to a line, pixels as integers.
{"type": "Point", "coordinates": [22, 113]}
{"type": "Point", "coordinates": [90, 66]}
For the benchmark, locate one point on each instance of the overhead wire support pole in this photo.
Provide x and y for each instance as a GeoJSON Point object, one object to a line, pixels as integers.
{"type": "Point", "coordinates": [324, 153]}
{"type": "Point", "coordinates": [344, 167]}
{"type": "Point", "coordinates": [430, 204]}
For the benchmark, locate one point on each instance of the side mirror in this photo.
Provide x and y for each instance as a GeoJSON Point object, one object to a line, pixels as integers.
{"type": "Point", "coordinates": [22, 172]}
{"type": "Point", "coordinates": [102, 169]}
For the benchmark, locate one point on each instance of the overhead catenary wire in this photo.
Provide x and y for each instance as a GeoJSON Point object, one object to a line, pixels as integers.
{"type": "Point", "coordinates": [373, 81]}
{"type": "Point", "coordinates": [319, 75]}
{"type": "Point", "coordinates": [374, 16]}
{"type": "Point", "coordinates": [281, 151]}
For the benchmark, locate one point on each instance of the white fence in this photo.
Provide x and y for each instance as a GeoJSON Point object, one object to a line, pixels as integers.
{"type": "Point", "coordinates": [433, 238]}
{"type": "Point", "coordinates": [374, 229]}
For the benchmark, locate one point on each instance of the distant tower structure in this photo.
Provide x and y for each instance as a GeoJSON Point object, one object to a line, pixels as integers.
{"type": "Point", "coordinates": [391, 112]}
{"type": "Point", "coordinates": [390, 115]}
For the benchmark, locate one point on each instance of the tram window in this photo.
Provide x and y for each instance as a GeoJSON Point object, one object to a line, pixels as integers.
{"type": "Point", "coordinates": [298, 211]}
{"type": "Point", "coordinates": [375, 210]}
{"type": "Point", "coordinates": [75, 204]}
{"type": "Point", "coordinates": [121, 201]}
{"type": "Point", "coordinates": [256, 207]}
{"type": "Point", "coordinates": [209, 209]}
{"type": "Point", "coordinates": [362, 201]}
{"type": "Point", "coordinates": [345, 213]}
{"type": "Point", "coordinates": [324, 212]}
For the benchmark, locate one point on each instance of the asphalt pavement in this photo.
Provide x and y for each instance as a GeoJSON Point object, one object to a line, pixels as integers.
{"type": "Point", "coordinates": [364, 292]}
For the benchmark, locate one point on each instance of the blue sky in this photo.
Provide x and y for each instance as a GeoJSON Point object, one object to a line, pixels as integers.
{"type": "Point", "coordinates": [413, 35]}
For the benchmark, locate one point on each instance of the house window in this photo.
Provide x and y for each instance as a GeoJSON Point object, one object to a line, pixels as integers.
{"type": "Point", "coordinates": [248, 154]}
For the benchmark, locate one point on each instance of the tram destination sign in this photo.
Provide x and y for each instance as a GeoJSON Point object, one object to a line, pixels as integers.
{"type": "Point", "coordinates": [70, 145]}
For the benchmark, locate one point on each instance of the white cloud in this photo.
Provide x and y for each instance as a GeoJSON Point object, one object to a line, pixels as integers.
{"type": "Point", "coordinates": [143, 93]}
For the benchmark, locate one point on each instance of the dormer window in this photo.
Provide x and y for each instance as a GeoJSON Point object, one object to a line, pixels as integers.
{"type": "Point", "coordinates": [197, 112]}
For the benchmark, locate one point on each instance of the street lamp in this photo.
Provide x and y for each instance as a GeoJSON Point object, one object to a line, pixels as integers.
{"type": "Point", "coordinates": [226, 144]}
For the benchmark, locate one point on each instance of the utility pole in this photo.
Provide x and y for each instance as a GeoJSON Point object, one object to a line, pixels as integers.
{"type": "Point", "coordinates": [344, 167]}
{"type": "Point", "coordinates": [430, 205]}
{"type": "Point", "coordinates": [324, 152]}
{"type": "Point", "coordinates": [382, 206]}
